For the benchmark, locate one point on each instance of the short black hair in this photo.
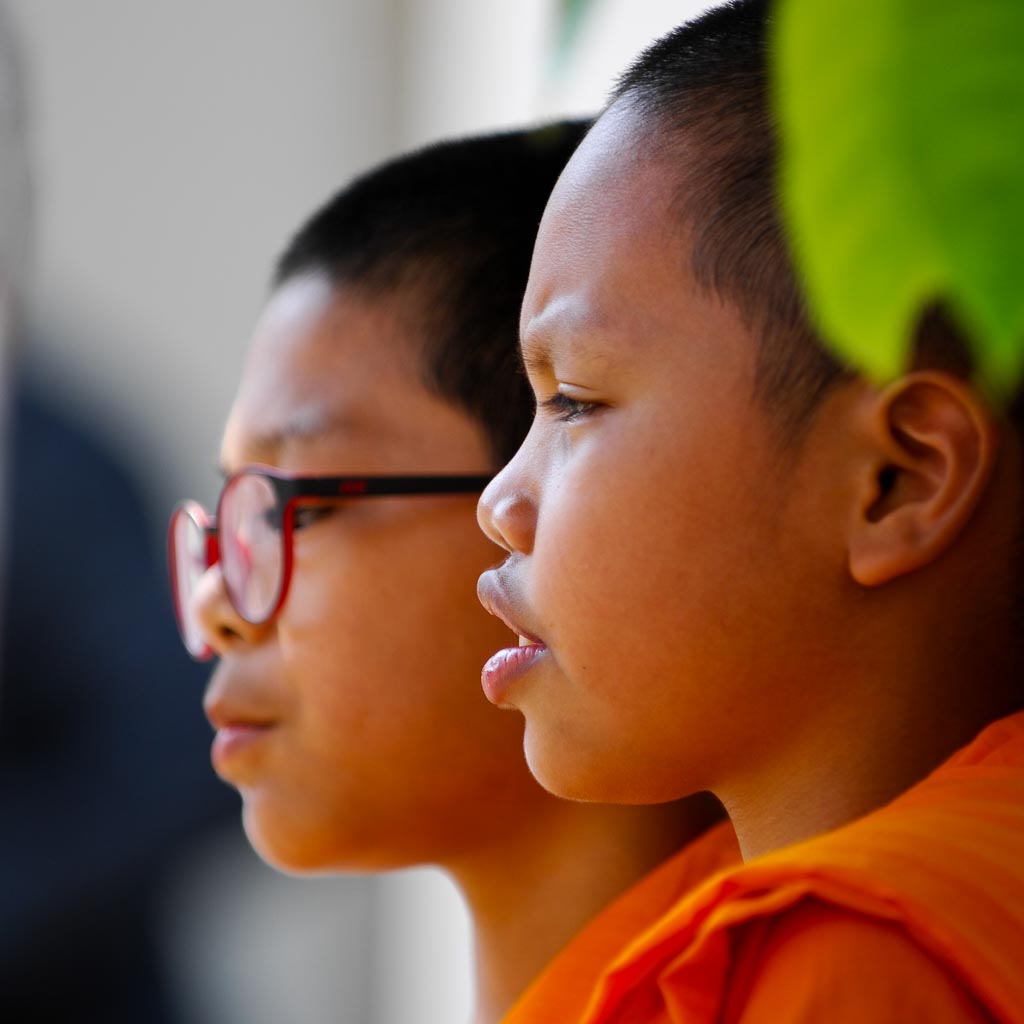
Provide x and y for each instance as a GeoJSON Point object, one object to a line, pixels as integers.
{"type": "Point", "coordinates": [450, 229]}
{"type": "Point", "coordinates": [705, 90]}
{"type": "Point", "coordinates": [704, 87]}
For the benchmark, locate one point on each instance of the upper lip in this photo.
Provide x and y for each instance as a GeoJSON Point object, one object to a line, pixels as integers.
{"type": "Point", "coordinates": [499, 598]}
{"type": "Point", "coordinates": [227, 703]}
{"type": "Point", "coordinates": [224, 718]}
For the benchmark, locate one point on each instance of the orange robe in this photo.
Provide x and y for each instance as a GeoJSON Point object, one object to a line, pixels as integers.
{"type": "Point", "coordinates": [912, 913]}
{"type": "Point", "coordinates": [560, 993]}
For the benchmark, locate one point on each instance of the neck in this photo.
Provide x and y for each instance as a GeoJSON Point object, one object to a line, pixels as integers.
{"type": "Point", "coordinates": [529, 897]}
{"type": "Point", "coordinates": [896, 716]}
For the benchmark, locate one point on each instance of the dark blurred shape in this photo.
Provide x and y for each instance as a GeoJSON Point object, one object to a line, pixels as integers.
{"type": "Point", "coordinates": [104, 762]}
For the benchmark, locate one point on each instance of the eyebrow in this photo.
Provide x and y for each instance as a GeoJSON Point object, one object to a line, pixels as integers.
{"type": "Point", "coordinates": [576, 333]}
{"type": "Point", "coordinates": [311, 425]}
{"type": "Point", "coordinates": [536, 354]}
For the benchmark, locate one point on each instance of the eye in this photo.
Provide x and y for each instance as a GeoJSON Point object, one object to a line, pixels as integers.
{"type": "Point", "coordinates": [566, 408]}
{"type": "Point", "coordinates": [302, 516]}
{"type": "Point", "coordinates": [272, 518]}
{"type": "Point", "coordinates": [307, 515]}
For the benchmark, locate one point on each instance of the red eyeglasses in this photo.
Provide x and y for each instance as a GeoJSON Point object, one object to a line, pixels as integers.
{"type": "Point", "coordinates": [252, 533]}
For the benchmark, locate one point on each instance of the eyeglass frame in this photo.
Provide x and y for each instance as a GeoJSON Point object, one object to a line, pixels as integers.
{"type": "Point", "coordinates": [288, 491]}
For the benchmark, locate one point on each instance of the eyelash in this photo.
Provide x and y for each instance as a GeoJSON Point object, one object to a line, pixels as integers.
{"type": "Point", "coordinates": [308, 515]}
{"type": "Point", "coordinates": [568, 409]}
{"type": "Point", "coordinates": [302, 516]}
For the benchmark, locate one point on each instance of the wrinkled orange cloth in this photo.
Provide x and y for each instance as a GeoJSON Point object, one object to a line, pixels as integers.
{"type": "Point", "coordinates": [561, 992]}
{"type": "Point", "coordinates": [914, 912]}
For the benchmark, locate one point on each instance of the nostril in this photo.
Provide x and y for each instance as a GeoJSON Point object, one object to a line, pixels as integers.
{"type": "Point", "coordinates": [515, 518]}
{"type": "Point", "coordinates": [227, 634]}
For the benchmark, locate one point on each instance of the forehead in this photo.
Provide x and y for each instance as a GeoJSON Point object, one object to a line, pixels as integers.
{"type": "Point", "coordinates": [607, 224]}
{"type": "Point", "coordinates": [611, 277]}
{"type": "Point", "coordinates": [333, 382]}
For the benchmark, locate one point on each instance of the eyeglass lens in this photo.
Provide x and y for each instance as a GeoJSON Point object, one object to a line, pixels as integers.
{"type": "Point", "coordinates": [190, 562]}
{"type": "Point", "coordinates": [251, 545]}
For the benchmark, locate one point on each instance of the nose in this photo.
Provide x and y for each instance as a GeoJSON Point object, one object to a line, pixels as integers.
{"type": "Point", "coordinates": [507, 510]}
{"type": "Point", "coordinates": [213, 614]}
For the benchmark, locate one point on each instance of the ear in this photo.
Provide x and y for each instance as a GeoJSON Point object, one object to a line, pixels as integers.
{"type": "Point", "coordinates": [930, 449]}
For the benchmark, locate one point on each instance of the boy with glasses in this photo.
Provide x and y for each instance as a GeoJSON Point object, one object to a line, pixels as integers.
{"type": "Point", "coordinates": [336, 583]}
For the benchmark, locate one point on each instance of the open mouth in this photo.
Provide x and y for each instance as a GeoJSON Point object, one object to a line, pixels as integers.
{"type": "Point", "coordinates": [508, 665]}
{"type": "Point", "coordinates": [491, 594]}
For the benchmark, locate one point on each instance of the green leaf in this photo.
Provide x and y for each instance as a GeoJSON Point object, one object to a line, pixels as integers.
{"type": "Point", "coordinates": [902, 172]}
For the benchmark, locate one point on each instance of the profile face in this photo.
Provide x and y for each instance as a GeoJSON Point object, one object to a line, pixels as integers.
{"type": "Point", "coordinates": [659, 545]}
{"type": "Point", "coordinates": [370, 744]}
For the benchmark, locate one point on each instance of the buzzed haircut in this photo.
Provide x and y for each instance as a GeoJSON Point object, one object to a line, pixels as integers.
{"type": "Point", "coordinates": [447, 233]}
{"type": "Point", "coordinates": [704, 89]}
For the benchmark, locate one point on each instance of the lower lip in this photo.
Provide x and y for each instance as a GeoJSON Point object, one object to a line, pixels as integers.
{"type": "Point", "coordinates": [232, 741]}
{"type": "Point", "coordinates": [505, 667]}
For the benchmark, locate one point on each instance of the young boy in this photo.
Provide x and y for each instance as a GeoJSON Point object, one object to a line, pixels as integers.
{"type": "Point", "coordinates": [735, 565]}
{"type": "Point", "coordinates": [380, 393]}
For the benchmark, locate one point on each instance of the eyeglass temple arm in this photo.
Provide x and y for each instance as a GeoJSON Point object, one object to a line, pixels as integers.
{"type": "Point", "coordinates": [344, 486]}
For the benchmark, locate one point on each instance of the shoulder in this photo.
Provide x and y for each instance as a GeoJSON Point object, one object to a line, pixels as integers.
{"type": "Point", "coordinates": [819, 962]}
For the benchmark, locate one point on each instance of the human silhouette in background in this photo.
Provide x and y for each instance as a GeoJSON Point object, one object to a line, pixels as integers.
{"type": "Point", "coordinates": [104, 768]}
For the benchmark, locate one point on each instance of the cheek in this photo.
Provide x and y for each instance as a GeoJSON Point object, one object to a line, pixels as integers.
{"type": "Point", "coordinates": [611, 528]}
{"type": "Point", "coordinates": [358, 582]}
{"type": "Point", "coordinates": [651, 555]}
{"type": "Point", "coordinates": [390, 626]}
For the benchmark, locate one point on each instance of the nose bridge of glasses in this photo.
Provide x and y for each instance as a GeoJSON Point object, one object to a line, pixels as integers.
{"type": "Point", "coordinates": [212, 543]}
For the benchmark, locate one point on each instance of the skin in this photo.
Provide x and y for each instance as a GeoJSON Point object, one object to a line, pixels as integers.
{"type": "Point", "coordinates": [376, 749]}
{"type": "Point", "coordinates": [789, 626]}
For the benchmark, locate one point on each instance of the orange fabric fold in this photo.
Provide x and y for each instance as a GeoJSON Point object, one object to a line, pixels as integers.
{"type": "Point", "coordinates": [941, 868]}
{"type": "Point", "coordinates": [560, 993]}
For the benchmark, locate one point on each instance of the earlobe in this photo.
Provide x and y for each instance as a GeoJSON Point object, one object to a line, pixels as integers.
{"type": "Point", "coordinates": [931, 447]}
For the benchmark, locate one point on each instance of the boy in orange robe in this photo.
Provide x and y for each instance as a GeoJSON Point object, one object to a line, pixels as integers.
{"type": "Point", "coordinates": [736, 565]}
{"type": "Point", "coordinates": [349, 638]}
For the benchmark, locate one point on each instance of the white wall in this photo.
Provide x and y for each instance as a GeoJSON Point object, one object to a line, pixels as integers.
{"type": "Point", "coordinates": [178, 143]}
{"type": "Point", "coordinates": [471, 66]}
{"type": "Point", "coordinates": [451, 47]}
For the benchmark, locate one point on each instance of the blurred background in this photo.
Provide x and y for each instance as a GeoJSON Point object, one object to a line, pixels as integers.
{"type": "Point", "coordinates": [174, 147]}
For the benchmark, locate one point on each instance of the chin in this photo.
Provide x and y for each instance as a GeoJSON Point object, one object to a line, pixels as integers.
{"type": "Point", "coordinates": [276, 847]}
{"type": "Point", "coordinates": [558, 769]}
{"type": "Point", "coordinates": [557, 765]}
{"type": "Point", "coordinates": [326, 846]}
{"type": "Point", "coordinates": [288, 843]}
